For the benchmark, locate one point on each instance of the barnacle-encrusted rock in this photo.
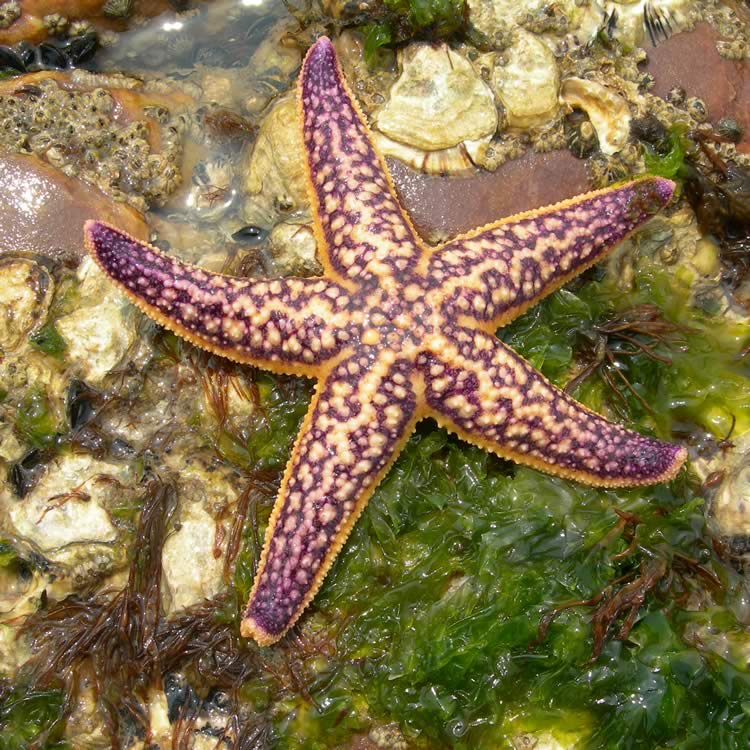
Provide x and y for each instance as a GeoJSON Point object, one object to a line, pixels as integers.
{"type": "Point", "coordinates": [100, 331]}
{"type": "Point", "coordinates": [198, 534]}
{"type": "Point", "coordinates": [274, 183]}
{"type": "Point", "coordinates": [491, 17]}
{"type": "Point", "coordinates": [25, 293]}
{"type": "Point", "coordinates": [293, 250]}
{"type": "Point", "coordinates": [608, 112]}
{"type": "Point", "coordinates": [42, 210]}
{"type": "Point", "coordinates": [528, 83]}
{"type": "Point", "coordinates": [437, 103]}
{"type": "Point", "coordinates": [65, 516]}
{"type": "Point", "coordinates": [124, 139]}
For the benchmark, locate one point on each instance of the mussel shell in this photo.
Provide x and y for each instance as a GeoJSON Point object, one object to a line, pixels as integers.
{"type": "Point", "coordinates": [48, 57]}
{"type": "Point", "coordinates": [11, 60]}
{"type": "Point", "coordinates": [250, 235]}
{"type": "Point", "coordinates": [81, 49]}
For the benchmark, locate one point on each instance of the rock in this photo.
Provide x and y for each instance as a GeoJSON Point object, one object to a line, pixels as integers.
{"type": "Point", "coordinates": [442, 207]}
{"type": "Point", "coordinates": [112, 131]}
{"type": "Point", "coordinates": [42, 211]}
{"type": "Point", "coordinates": [691, 60]}
{"type": "Point", "coordinates": [528, 83]}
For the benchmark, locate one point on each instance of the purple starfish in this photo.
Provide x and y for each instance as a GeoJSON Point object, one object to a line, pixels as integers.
{"type": "Point", "coordinates": [394, 331]}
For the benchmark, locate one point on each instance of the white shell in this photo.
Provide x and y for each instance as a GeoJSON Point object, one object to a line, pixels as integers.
{"type": "Point", "coordinates": [67, 527]}
{"type": "Point", "coordinates": [528, 84]}
{"type": "Point", "coordinates": [100, 331]}
{"type": "Point", "coordinates": [25, 294]}
{"type": "Point", "coordinates": [274, 181]}
{"type": "Point", "coordinates": [189, 583]}
{"type": "Point", "coordinates": [438, 102]}
{"type": "Point", "coordinates": [608, 111]}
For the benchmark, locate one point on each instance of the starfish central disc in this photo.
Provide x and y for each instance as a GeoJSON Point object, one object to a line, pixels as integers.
{"type": "Point", "coordinates": [393, 332]}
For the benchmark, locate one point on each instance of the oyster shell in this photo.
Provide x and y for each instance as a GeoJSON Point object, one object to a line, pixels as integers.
{"type": "Point", "coordinates": [100, 331]}
{"type": "Point", "coordinates": [26, 290]}
{"type": "Point", "coordinates": [207, 495]}
{"type": "Point", "coordinates": [274, 182]}
{"type": "Point", "coordinates": [527, 84]}
{"type": "Point", "coordinates": [608, 112]}
{"type": "Point", "coordinates": [191, 539]}
{"type": "Point", "coordinates": [439, 114]}
{"type": "Point", "coordinates": [65, 516]}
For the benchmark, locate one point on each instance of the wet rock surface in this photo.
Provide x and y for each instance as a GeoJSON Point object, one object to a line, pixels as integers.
{"type": "Point", "coordinates": [42, 210]}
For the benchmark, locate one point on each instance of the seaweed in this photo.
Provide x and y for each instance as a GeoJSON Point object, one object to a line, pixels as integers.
{"type": "Point", "coordinates": [399, 21]}
{"type": "Point", "coordinates": [110, 636]}
{"type": "Point", "coordinates": [35, 420]}
{"type": "Point", "coordinates": [31, 720]}
{"type": "Point", "coordinates": [48, 340]}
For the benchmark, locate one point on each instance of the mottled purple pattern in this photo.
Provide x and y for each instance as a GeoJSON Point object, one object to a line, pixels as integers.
{"type": "Point", "coordinates": [365, 229]}
{"type": "Point", "coordinates": [355, 427]}
{"type": "Point", "coordinates": [295, 321]}
{"type": "Point", "coordinates": [478, 386]}
{"type": "Point", "coordinates": [389, 347]}
{"type": "Point", "coordinates": [495, 271]}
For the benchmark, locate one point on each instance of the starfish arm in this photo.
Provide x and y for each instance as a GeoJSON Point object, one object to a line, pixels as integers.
{"type": "Point", "coordinates": [359, 225]}
{"type": "Point", "coordinates": [284, 325]}
{"type": "Point", "coordinates": [359, 420]}
{"type": "Point", "coordinates": [489, 396]}
{"type": "Point", "coordinates": [495, 273]}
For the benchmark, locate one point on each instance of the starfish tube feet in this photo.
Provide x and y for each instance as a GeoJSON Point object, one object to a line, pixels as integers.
{"type": "Point", "coordinates": [285, 325]}
{"type": "Point", "coordinates": [353, 432]}
{"type": "Point", "coordinates": [489, 396]}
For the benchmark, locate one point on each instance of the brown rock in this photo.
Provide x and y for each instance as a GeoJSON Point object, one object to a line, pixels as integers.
{"type": "Point", "coordinates": [42, 211]}
{"type": "Point", "coordinates": [442, 207]}
{"type": "Point", "coordinates": [691, 60]}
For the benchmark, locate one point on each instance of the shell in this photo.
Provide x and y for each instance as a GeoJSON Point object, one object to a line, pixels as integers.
{"type": "Point", "coordinates": [729, 508]}
{"type": "Point", "coordinates": [438, 102]}
{"type": "Point", "coordinates": [26, 291]}
{"type": "Point", "coordinates": [273, 169]}
{"type": "Point", "coordinates": [608, 112]}
{"type": "Point", "coordinates": [528, 83]}
{"type": "Point", "coordinates": [69, 528]}
{"type": "Point", "coordinates": [293, 250]}
{"type": "Point", "coordinates": [100, 331]}
{"type": "Point", "coordinates": [635, 22]}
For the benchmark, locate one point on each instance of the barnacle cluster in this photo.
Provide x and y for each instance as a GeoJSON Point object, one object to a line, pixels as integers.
{"type": "Point", "coordinates": [78, 132]}
{"type": "Point", "coordinates": [9, 12]}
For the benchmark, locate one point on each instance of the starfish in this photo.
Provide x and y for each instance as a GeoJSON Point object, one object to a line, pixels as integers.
{"type": "Point", "coordinates": [393, 331]}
